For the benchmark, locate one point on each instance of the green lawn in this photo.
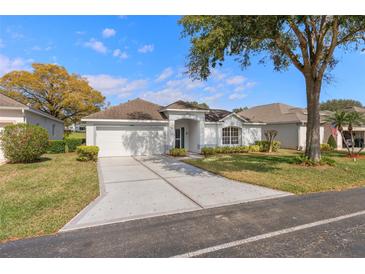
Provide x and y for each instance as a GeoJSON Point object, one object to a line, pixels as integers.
{"type": "Point", "coordinates": [40, 198]}
{"type": "Point", "coordinates": [277, 171]}
{"type": "Point", "coordinates": [81, 135]}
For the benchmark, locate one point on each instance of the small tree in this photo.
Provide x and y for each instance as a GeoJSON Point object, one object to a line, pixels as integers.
{"type": "Point", "coordinates": [23, 143]}
{"type": "Point", "coordinates": [270, 136]}
{"type": "Point", "coordinates": [332, 142]}
{"type": "Point", "coordinates": [354, 119]}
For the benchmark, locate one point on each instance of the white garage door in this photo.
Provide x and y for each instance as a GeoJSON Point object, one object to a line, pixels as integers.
{"type": "Point", "coordinates": [130, 140]}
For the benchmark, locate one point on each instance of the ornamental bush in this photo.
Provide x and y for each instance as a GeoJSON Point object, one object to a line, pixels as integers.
{"type": "Point", "coordinates": [72, 143]}
{"type": "Point", "coordinates": [254, 148]}
{"type": "Point", "coordinates": [178, 152]}
{"type": "Point", "coordinates": [332, 142]}
{"type": "Point", "coordinates": [56, 146]}
{"type": "Point", "coordinates": [326, 147]}
{"type": "Point", "coordinates": [23, 143]}
{"type": "Point", "coordinates": [87, 153]}
{"type": "Point", "coordinates": [264, 145]}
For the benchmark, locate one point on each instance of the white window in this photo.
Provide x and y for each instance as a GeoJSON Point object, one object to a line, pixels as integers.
{"type": "Point", "coordinates": [230, 136]}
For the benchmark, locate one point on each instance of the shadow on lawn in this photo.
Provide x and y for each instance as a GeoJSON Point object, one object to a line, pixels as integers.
{"type": "Point", "coordinates": [257, 163]}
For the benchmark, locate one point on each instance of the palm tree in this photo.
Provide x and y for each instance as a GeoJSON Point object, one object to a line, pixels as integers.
{"type": "Point", "coordinates": [338, 120]}
{"type": "Point", "coordinates": [354, 119]}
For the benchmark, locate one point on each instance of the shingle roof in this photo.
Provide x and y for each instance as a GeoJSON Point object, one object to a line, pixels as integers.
{"type": "Point", "coordinates": [214, 115]}
{"type": "Point", "coordinates": [275, 113]}
{"type": "Point", "coordinates": [6, 101]}
{"type": "Point", "coordinates": [136, 109]}
{"type": "Point", "coordinates": [183, 105]}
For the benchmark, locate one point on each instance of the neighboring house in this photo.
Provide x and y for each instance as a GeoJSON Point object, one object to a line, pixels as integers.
{"type": "Point", "coordinates": [289, 121]}
{"type": "Point", "coordinates": [139, 127]}
{"type": "Point", "coordinates": [13, 112]}
{"type": "Point", "coordinates": [77, 127]}
{"type": "Point", "coordinates": [358, 131]}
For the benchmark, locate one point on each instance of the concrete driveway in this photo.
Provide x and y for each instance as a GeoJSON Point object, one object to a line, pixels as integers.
{"type": "Point", "coordinates": [139, 187]}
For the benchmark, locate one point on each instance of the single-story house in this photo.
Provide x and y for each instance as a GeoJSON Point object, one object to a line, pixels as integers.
{"type": "Point", "coordinates": [139, 127]}
{"type": "Point", "coordinates": [13, 112]}
{"type": "Point", "coordinates": [289, 121]}
{"type": "Point", "coordinates": [358, 131]}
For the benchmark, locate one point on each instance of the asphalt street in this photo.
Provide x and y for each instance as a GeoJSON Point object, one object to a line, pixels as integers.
{"type": "Point", "coordinates": [172, 235]}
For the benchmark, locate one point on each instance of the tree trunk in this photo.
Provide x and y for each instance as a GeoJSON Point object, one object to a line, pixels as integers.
{"type": "Point", "coordinates": [313, 146]}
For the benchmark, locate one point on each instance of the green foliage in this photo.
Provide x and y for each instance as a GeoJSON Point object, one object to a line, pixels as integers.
{"type": "Point", "coordinates": [199, 105]}
{"type": "Point", "coordinates": [178, 152]}
{"type": "Point", "coordinates": [72, 143]}
{"type": "Point", "coordinates": [304, 160]}
{"type": "Point", "coordinates": [264, 145]}
{"type": "Point", "coordinates": [326, 147]}
{"type": "Point", "coordinates": [87, 153]}
{"type": "Point", "coordinates": [207, 151]}
{"type": "Point", "coordinates": [332, 142]}
{"type": "Point", "coordinates": [236, 110]}
{"type": "Point", "coordinates": [339, 104]}
{"type": "Point", "coordinates": [56, 146]}
{"type": "Point", "coordinates": [253, 148]}
{"type": "Point", "coordinates": [23, 143]}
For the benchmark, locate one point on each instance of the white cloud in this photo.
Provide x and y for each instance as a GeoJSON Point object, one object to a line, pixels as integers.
{"type": "Point", "coordinates": [186, 84]}
{"type": "Point", "coordinates": [120, 54]}
{"type": "Point", "coordinates": [212, 98]}
{"type": "Point", "coordinates": [8, 64]}
{"type": "Point", "coordinates": [79, 32]}
{"type": "Point", "coordinates": [113, 85]}
{"type": "Point", "coordinates": [38, 48]}
{"type": "Point", "coordinates": [236, 96]}
{"type": "Point", "coordinates": [107, 33]}
{"type": "Point", "coordinates": [166, 96]}
{"type": "Point", "coordinates": [146, 48]}
{"type": "Point", "coordinates": [210, 89]}
{"type": "Point", "coordinates": [123, 17]}
{"type": "Point", "coordinates": [166, 73]}
{"type": "Point", "coordinates": [96, 45]}
{"type": "Point", "coordinates": [236, 80]}
{"type": "Point", "coordinates": [2, 45]}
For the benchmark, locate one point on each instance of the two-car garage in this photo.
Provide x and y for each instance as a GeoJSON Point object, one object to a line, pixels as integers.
{"type": "Point", "coordinates": [130, 140]}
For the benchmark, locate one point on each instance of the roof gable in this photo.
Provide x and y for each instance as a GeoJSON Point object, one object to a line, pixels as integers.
{"type": "Point", "coordinates": [6, 101]}
{"type": "Point", "coordinates": [183, 105]}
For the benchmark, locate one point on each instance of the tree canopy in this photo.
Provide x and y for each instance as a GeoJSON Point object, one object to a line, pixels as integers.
{"type": "Point", "coordinates": [50, 88]}
{"type": "Point", "coordinates": [239, 109]}
{"type": "Point", "coordinates": [339, 104]}
{"type": "Point", "coordinates": [200, 105]}
{"type": "Point", "coordinates": [306, 42]}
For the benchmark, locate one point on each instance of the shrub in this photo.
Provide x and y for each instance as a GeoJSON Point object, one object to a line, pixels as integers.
{"type": "Point", "coordinates": [332, 142]}
{"type": "Point", "coordinates": [206, 151]}
{"type": "Point", "coordinates": [264, 145]}
{"type": "Point", "coordinates": [56, 146]}
{"type": "Point", "coordinates": [254, 148]}
{"type": "Point", "coordinates": [326, 147]}
{"type": "Point", "coordinates": [178, 152]}
{"type": "Point", "coordinates": [87, 153]}
{"type": "Point", "coordinates": [72, 143]}
{"type": "Point", "coordinates": [23, 143]}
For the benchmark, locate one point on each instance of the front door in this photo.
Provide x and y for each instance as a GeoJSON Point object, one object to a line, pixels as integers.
{"type": "Point", "coordinates": [180, 137]}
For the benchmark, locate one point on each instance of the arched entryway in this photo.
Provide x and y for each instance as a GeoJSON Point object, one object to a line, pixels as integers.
{"type": "Point", "coordinates": [187, 134]}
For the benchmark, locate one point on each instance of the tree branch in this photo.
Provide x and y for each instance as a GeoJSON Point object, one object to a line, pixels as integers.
{"type": "Point", "coordinates": [283, 47]}
{"type": "Point", "coordinates": [302, 41]}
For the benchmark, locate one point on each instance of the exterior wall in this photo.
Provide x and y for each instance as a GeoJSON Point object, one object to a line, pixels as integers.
{"type": "Point", "coordinates": [11, 116]}
{"type": "Point", "coordinates": [47, 123]}
{"type": "Point", "coordinates": [251, 134]}
{"type": "Point", "coordinates": [288, 134]}
{"type": "Point", "coordinates": [303, 132]}
{"type": "Point", "coordinates": [211, 135]}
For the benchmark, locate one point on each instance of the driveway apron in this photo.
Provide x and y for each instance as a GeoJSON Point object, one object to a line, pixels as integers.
{"type": "Point", "coordinates": [140, 187]}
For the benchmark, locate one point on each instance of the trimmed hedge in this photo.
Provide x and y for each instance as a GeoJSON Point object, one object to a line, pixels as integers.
{"type": "Point", "coordinates": [56, 146]}
{"type": "Point", "coordinates": [72, 143]}
{"type": "Point", "coordinates": [23, 143]}
{"type": "Point", "coordinates": [264, 145]}
{"type": "Point", "coordinates": [87, 153]}
{"type": "Point", "coordinates": [178, 152]}
{"type": "Point", "coordinates": [207, 151]}
{"type": "Point", "coordinates": [326, 147]}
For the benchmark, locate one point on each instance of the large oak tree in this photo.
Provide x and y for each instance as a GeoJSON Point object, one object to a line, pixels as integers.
{"type": "Point", "coordinates": [52, 89]}
{"type": "Point", "coordinates": [306, 42]}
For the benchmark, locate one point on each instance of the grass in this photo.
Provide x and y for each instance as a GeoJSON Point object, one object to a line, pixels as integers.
{"type": "Point", "coordinates": [39, 198]}
{"type": "Point", "coordinates": [277, 171]}
{"type": "Point", "coordinates": [81, 135]}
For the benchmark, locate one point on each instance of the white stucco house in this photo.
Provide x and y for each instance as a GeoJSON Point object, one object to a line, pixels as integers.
{"type": "Point", "coordinates": [139, 127]}
{"type": "Point", "coordinates": [13, 112]}
{"type": "Point", "coordinates": [289, 121]}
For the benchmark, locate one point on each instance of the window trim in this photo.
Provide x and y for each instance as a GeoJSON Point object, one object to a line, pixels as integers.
{"type": "Point", "coordinates": [228, 136]}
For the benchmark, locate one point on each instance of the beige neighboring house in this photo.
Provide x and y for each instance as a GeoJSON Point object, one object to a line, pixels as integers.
{"type": "Point", "coordinates": [14, 112]}
{"type": "Point", "coordinates": [289, 121]}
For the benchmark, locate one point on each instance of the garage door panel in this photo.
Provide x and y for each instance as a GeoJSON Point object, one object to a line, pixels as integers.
{"type": "Point", "coordinates": [125, 141]}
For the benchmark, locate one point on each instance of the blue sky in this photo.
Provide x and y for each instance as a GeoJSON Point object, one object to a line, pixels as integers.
{"type": "Point", "coordinates": [143, 56]}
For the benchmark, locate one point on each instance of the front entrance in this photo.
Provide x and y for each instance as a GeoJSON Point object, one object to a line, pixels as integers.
{"type": "Point", "coordinates": [180, 137]}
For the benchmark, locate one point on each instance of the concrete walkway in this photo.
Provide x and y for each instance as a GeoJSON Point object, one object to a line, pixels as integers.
{"type": "Point", "coordinates": [139, 187]}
